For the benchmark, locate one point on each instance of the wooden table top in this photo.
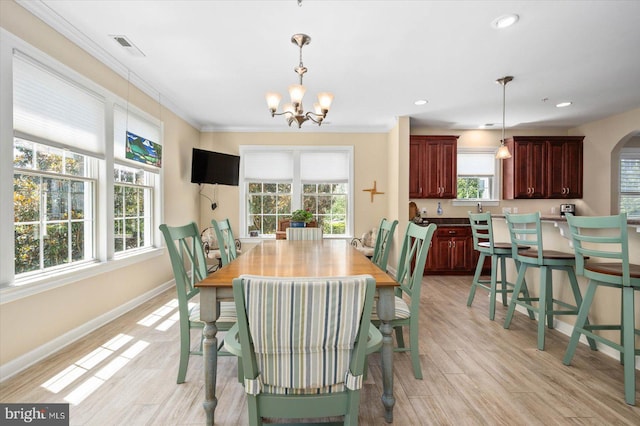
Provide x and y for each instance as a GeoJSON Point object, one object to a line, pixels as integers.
{"type": "Point", "coordinates": [284, 258]}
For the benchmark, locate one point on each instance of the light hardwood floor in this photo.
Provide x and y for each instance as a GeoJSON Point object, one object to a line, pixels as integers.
{"type": "Point", "coordinates": [475, 373]}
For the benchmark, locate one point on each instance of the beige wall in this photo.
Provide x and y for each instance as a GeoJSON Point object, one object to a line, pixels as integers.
{"type": "Point", "coordinates": [370, 163]}
{"type": "Point", "coordinates": [30, 322]}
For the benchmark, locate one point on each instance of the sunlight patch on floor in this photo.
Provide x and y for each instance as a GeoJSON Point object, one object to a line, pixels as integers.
{"type": "Point", "coordinates": [159, 313]}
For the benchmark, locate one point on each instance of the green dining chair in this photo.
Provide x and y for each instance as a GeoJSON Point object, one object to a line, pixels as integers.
{"type": "Point", "coordinates": [189, 266]}
{"type": "Point", "coordinates": [499, 252]}
{"type": "Point", "coordinates": [601, 244]}
{"type": "Point", "coordinates": [383, 244]}
{"type": "Point", "coordinates": [415, 247]}
{"type": "Point", "coordinates": [526, 229]}
{"type": "Point", "coordinates": [302, 344]}
{"type": "Point", "coordinates": [226, 242]}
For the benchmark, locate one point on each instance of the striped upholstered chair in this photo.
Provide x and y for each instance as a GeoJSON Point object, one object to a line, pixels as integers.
{"type": "Point", "coordinates": [304, 233]}
{"type": "Point", "coordinates": [302, 342]}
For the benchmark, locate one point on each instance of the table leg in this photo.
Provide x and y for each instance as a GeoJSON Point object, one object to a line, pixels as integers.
{"type": "Point", "coordinates": [386, 311]}
{"type": "Point", "coordinates": [209, 313]}
{"type": "Point", "coordinates": [210, 354]}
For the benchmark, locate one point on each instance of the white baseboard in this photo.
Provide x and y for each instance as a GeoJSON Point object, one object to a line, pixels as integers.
{"type": "Point", "coordinates": [21, 363]}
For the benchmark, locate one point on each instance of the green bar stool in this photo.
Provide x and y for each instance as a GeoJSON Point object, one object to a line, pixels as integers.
{"type": "Point", "coordinates": [482, 230]}
{"type": "Point", "coordinates": [525, 229]}
{"type": "Point", "coordinates": [605, 241]}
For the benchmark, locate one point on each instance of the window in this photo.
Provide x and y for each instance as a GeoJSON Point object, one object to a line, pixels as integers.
{"type": "Point", "coordinates": [133, 201]}
{"type": "Point", "coordinates": [477, 175]}
{"type": "Point", "coordinates": [135, 183]}
{"type": "Point", "coordinates": [63, 183]}
{"type": "Point", "coordinates": [274, 181]}
{"type": "Point", "coordinates": [58, 127]}
{"type": "Point", "coordinates": [630, 182]}
{"type": "Point", "coordinates": [53, 207]}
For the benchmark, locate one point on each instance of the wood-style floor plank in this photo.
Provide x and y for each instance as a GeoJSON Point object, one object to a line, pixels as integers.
{"type": "Point", "coordinates": [475, 373]}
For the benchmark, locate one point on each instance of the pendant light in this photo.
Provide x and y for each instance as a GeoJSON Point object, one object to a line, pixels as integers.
{"type": "Point", "coordinates": [503, 152]}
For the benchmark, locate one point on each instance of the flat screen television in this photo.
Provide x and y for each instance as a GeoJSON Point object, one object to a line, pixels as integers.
{"type": "Point", "coordinates": [214, 167]}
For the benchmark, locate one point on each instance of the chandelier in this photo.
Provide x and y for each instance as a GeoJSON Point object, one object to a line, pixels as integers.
{"type": "Point", "coordinates": [293, 111]}
{"type": "Point", "coordinates": [503, 152]}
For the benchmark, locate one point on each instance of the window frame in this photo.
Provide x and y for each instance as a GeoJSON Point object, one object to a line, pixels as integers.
{"type": "Point", "coordinates": [296, 183]}
{"type": "Point", "coordinates": [13, 287]}
{"type": "Point", "coordinates": [497, 178]}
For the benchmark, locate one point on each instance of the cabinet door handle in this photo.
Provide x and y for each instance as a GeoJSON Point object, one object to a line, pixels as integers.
{"type": "Point", "coordinates": [452, 232]}
{"type": "Point", "coordinates": [454, 244]}
{"type": "Point", "coordinates": [449, 244]}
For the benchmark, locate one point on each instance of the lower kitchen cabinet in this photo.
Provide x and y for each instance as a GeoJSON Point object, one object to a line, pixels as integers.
{"type": "Point", "coordinates": [451, 251]}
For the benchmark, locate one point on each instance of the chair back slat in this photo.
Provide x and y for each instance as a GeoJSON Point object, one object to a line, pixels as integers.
{"type": "Point", "coordinates": [525, 230]}
{"type": "Point", "coordinates": [226, 242]}
{"type": "Point", "coordinates": [383, 243]}
{"type": "Point", "coordinates": [415, 247]}
{"type": "Point", "coordinates": [597, 238]}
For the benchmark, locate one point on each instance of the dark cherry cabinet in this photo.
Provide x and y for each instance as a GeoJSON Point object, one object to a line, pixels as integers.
{"type": "Point", "coordinates": [543, 167]}
{"type": "Point", "coordinates": [432, 166]}
{"type": "Point", "coordinates": [451, 251]}
{"type": "Point", "coordinates": [564, 176]}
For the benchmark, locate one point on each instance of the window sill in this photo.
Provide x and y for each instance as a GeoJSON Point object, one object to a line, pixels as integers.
{"type": "Point", "coordinates": [475, 202]}
{"type": "Point", "coordinates": [30, 286]}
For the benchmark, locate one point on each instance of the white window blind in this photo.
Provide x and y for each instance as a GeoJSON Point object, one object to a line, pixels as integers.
{"type": "Point", "coordinates": [476, 164]}
{"type": "Point", "coordinates": [630, 182]}
{"type": "Point", "coordinates": [268, 166]}
{"type": "Point", "coordinates": [124, 121]}
{"type": "Point", "coordinates": [52, 109]}
{"type": "Point", "coordinates": [326, 167]}
{"type": "Point", "coordinates": [630, 171]}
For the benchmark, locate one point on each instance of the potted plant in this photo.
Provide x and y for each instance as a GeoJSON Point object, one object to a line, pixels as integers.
{"type": "Point", "coordinates": [300, 218]}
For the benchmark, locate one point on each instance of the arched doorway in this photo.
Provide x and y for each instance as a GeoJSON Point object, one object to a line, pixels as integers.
{"type": "Point", "coordinates": [630, 144]}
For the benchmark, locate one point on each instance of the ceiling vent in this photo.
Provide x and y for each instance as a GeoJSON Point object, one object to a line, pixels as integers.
{"type": "Point", "coordinates": [127, 45]}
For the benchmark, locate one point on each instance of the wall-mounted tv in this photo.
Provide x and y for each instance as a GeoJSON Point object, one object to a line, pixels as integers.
{"type": "Point", "coordinates": [214, 167]}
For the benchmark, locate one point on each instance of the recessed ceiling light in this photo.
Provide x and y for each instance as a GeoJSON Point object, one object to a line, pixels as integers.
{"type": "Point", "coordinates": [563, 104]}
{"type": "Point", "coordinates": [486, 126]}
{"type": "Point", "coordinates": [505, 21]}
{"type": "Point", "coordinates": [420, 102]}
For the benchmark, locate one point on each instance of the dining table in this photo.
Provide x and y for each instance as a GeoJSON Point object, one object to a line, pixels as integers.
{"type": "Point", "coordinates": [303, 258]}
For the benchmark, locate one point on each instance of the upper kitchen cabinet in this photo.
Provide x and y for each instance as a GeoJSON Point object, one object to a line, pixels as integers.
{"type": "Point", "coordinates": [543, 167]}
{"type": "Point", "coordinates": [432, 166]}
{"type": "Point", "coordinates": [564, 176]}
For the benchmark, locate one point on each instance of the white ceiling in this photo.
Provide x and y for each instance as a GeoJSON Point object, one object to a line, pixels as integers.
{"type": "Point", "coordinates": [212, 61]}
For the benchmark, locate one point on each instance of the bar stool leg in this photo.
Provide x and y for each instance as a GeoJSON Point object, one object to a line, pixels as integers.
{"type": "Point", "coordinates": [628, 343]}
{"type": "Point", "coordinates": [578, 328]}
{"type": "Point", "coordinates": [576, 294]}
{"type": "Point", "coordinates": [549, 300]}
{"type": "Point", "coordinates": [524, 290]}
{"type": "Point", "coordinates": [476, 279]}
{"type": "Point", "coordinates": [494, 284]}
{"type": "Point", "coordinates": [503, 279]}
{"type": "Point", "coordinates": [542, 305]}
{"type": "Point", "coordinates": [516, 293]}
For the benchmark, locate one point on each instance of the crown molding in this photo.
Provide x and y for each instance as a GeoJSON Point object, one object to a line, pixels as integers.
{"type": "Point", "coordinates": [62, 26]}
